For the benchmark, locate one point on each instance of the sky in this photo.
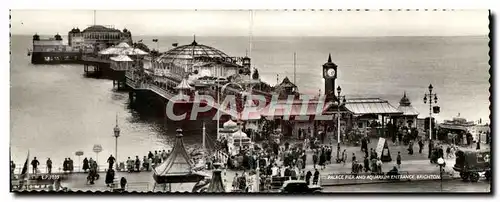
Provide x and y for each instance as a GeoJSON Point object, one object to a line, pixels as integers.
{"type": "Point", "coordinates": [265, 23]}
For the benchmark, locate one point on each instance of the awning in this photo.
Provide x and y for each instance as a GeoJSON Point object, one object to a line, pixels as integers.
{"type": "Point", "coordinates": [361, 106]}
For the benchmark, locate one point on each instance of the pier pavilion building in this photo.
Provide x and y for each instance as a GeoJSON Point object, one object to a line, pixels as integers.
{"type": "Point", "coordinates": [196, 61]}
{"type": "Point", "coordinates": [98, 36]}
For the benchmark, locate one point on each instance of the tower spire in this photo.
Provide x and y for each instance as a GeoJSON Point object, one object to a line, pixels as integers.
{"type": "Point", "coordinates": [329, 57]}
{"type": "Point", "coordinates": [116, 119]}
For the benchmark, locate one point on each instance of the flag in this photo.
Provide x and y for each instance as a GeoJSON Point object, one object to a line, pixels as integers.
{"type": "Point", "coordinates": [155, 40]}
{"type": "Point", "coordinates": [175, 44]}
{"type": "Point", "coordinates": [24, 172]}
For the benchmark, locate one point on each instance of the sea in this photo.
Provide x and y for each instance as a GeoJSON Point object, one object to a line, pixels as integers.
{"type": "Point", "coordinates": [56, 111]}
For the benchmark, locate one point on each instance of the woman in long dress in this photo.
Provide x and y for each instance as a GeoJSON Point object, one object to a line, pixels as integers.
{"type": "Point", "coordinates": [85, 164]}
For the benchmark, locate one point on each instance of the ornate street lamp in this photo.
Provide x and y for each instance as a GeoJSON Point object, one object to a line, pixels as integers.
{"type": "Point", "coordinates": [116, 132]}
{"type": "Point", "coordinates": [339, 90]}
{"type": "Point", "coordinates": [428, 97]}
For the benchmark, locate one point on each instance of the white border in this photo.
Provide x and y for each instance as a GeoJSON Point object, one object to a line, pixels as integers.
{"type": "Point", "coordinates": [198, 4]}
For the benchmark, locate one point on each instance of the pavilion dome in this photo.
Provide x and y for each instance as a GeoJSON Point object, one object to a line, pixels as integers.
{"type": "Point", "coordinates": [100, 28]}
{"type": "Point", "coordinates": [181, 54]}
{"type": "Point", "coordinates": [404, 101]}
{"type": "Point", "coordinates": [230, 124]}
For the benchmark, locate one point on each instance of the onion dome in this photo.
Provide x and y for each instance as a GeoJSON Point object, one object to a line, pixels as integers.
{"type": "Point", "coordinates": [406, 108]}
{"type": "Point", "coordinates": [125, 30]}
{"type": "Point", "coordinates": [404, 101]}
{"type": "Point", "coordinates": [255, 75]}
{"type": "Point", "coordinates": [230, 124]}
{"type": "Point", "coordinates": [58, 37]}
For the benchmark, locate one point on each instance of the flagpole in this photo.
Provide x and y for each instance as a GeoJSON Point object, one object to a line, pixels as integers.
{"type": "Point", "coordinates": [294, 69]}
{"type": "Point", "coordinates": [28, 172]}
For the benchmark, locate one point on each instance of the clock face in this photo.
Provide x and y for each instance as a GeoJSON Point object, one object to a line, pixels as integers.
{"type": "Point", "coordinates": [330, 72]}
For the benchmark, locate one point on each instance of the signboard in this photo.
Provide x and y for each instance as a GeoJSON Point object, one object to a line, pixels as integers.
{"type": "Point", "coordinates": [383, 150]}
{"type": "Point", "coordinates": [97, 148]}
{"type": "Point", "coordinates": [79, 153]}
{"type": "Point", "coordinates": [380, 146]}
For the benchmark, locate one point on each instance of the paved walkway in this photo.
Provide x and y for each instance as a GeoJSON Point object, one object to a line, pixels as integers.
{"type": "Point", "coordinates": [411, 164]}
{"type": "Point", "coordinates": [144, 181]}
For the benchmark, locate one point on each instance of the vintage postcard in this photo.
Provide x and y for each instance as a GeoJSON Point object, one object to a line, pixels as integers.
{"type": "Point", "coordinates": [250, 101]}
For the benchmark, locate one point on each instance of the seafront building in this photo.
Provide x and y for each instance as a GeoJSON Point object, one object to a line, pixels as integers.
{"type": "Point", "coordinates": [207, 70]}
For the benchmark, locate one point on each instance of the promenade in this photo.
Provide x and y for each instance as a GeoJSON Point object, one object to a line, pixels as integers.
{"type": "Point", "coordinates": [416, 164]}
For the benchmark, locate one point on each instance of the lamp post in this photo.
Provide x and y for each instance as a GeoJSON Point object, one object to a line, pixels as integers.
{"type": "Point", "coordinates": [478, 147]}
{"type": "Point", "coordinates": [339, 90]}
{"type": "Point", "coordinates": [430, 96]}
{"type": "Point", "coordinates": [116, 132]}
{"type": "Point", "coordinates": [441, 162]}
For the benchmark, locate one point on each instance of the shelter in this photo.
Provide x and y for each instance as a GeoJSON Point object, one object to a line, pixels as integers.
{"type": "Point", "coordinates": [178, 167]}
{"type": "Point", "coordinates": [410, 114]}
{"type": "Point", "coordinates": [365, 110]}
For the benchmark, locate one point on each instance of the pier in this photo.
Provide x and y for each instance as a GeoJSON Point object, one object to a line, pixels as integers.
{"type": "Point", "coordinates": [83, 47]}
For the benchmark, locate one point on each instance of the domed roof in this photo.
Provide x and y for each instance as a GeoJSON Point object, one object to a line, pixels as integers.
{"type": "Point", "coordinates": [187, 52]}
{"type": "Point", "coordinates": [100, 28]}
{"type": "Point", "coordinates": [404, 101]}
{"type": "Point", "coordinates": [230, 124]}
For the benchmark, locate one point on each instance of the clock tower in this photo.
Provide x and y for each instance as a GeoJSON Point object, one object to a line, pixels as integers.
{"type": "Point", "coordinates": [330, 74]}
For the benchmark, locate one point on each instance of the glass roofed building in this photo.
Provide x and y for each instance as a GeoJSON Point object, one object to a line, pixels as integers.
{"type": "Point", "coordinates": [195, 61]}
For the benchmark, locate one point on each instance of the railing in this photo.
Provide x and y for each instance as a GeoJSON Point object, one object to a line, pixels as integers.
{"type": "Point", "coordinates": [57, 170]}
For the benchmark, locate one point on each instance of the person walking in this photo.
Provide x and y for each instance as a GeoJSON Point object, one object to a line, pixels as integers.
{"type": "Point", "coordinates": [420, 145]}
{"type": "Point", "coordinates": [308, 177]}
{"type": "Point", "coordinates": [315, 158]}
{"type": "Point", "coordinates": [316, 177]}
{"type": "Point", "coordinates": [366, 164]}
{"type": "Point", "coordinates": [344, 157]}
{"type": "Point", "coordinates": [85, 164]}
{"type": "Point", "coordinates": [49, 166]}
{"type": "Point", "coordinates": [398, 160]}
{"type": "Point", "coordinates": [34, 164]}
{"type": "Point", "coordinates": [410, 148]}
{"type": "Point", "coordinates": [145, 163]}
{"type": "Point", "coordinates": [110, 176]}
{"type": "Point", "coordinates": [137, 164]}
{"type": "Point", "coordinates": [111, 161]}
{"type": "Point", "coordinates": [70, 165]}
{"type": "Point", "coordinates": [150, 155]}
